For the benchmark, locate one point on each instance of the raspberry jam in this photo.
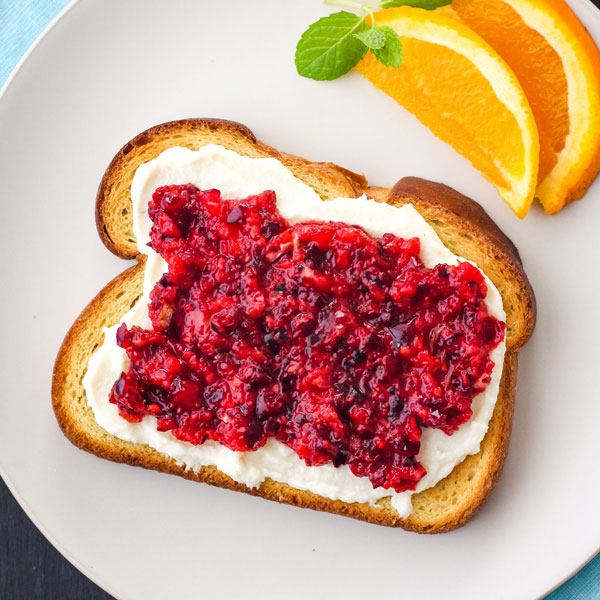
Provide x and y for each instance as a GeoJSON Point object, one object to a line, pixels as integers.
{"type": "Point", "coordinates": [339, 345]}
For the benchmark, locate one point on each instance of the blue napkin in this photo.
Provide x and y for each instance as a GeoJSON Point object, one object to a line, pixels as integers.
{"type": "Point", "coordinates": [21, 21]}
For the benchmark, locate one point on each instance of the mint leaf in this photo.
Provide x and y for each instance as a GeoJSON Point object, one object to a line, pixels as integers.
{"type": "Point", "coordinates": [426, 4]}
{"type": "Point", "coordinates": [391, 52]}
{"type": "Point", "coordinates": [328, 48]}
{"type": "Point", "coordinates": [373, 38]}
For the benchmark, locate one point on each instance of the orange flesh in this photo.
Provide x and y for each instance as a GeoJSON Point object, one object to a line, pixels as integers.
{"type": "Point", "coordinates": [592, 56]}
{"type": "Point", "coordinates": [449, 95]}
{"type": "Point", "coordinates": [536, 64]}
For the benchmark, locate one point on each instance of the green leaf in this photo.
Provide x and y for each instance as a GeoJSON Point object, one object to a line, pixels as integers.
{"type": "Point", "coordinates": [373, 38]}
{"type": "Point", "coordinates": [426, 4]}
{"type": "Point", "coordinates": [391, 53]}
{"type": "Point", "coordinates": [328, 48]}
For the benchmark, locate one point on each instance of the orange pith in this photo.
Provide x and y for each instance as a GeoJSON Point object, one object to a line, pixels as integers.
{"type": "Point", "coordinates": [456, 85]}
{"type": "Point", "coordinates": [535, 63]}
{"type": "Point", "coordinates": [558, 66]}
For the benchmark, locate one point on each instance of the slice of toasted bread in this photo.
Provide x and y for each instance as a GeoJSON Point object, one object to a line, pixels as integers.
{"type": "Point", "coordinates": [462, 225]}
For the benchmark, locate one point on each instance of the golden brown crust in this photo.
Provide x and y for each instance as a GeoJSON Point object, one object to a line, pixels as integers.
{"type": "Point", "coordinates": [460, 222]}
{"type": "Point", "coordinates": [77, 422]}
{"type": "Point", "coordinates": [192, 133]}
{"type": "Point", "coordinates": [439, 203]}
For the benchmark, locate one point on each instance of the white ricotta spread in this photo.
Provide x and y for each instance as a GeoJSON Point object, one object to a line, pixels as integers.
{"type": "Point", "coordinates": [237, 176]}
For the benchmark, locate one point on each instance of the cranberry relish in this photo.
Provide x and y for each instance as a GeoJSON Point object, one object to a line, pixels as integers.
{"type": "Point", "coordinates": [339, 345]}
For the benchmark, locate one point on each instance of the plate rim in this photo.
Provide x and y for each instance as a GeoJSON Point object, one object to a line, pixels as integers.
{"type": "Point", "coordinates": [23, 504]}
{"type": "Point", "coordinates": [591, 10]}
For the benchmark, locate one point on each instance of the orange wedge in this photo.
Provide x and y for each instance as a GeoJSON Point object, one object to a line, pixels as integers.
{"type": "Point", "coordinates": [558, 66]}
{"type": "Point", "coordinates": [460, 88]}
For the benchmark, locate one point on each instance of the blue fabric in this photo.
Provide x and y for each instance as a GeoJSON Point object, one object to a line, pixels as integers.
{"type": "Point", "coordinates": [585, 585]}
{"type": "Point", "coordinates": [21, 21]}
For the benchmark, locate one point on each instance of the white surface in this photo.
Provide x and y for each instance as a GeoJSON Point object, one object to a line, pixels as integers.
{"type": "Point", "coordinates": [107, 71]}
{"type": "Point", "coordinates": [238, 176]}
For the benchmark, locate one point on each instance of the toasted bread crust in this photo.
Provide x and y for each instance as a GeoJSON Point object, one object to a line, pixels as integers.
{"type": "Point", "coordinates": [77, 422]}
{"type": "Point", "coordinates": [192, 133]}
{"type": "Point", "coordinates": [447, 505]}
{"type": "Point", "coordinates": [445, 208]}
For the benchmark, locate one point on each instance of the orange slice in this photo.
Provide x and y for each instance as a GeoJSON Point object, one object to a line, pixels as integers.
{"type": "Point", "coordinates": [460, 88]}
{"type": "Point", "coordinates": [558, 66]}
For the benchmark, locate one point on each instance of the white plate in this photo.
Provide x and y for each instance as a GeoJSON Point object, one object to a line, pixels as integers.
{"type": "Point", "coordinates": [108, 70]}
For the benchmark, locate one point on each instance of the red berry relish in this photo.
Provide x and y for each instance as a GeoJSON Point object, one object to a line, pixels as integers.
{"type": "Point", "coordinates": [339, 345]}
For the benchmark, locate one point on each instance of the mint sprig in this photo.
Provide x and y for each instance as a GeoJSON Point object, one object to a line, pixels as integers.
{"type": "Point", "coordinates": [330, 47]}
{"type": "Point", "coordinates": [390, 54]}
{"type": "Point", "coordinates": [374, 38]}
{"type": "Point", "coordinates": [335, 44]}
{"type": "Point", "coordinates": [426, 4]}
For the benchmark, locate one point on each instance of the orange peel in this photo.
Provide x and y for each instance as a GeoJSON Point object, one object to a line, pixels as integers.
{"type": "Point", "coordinates": [558, 65]}
{"type": "Point", "coordinates": [462, 90]}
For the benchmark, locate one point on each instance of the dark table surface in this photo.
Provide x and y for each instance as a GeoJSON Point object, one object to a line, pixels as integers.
{"type": "Point", "coordinates": [30, 568]}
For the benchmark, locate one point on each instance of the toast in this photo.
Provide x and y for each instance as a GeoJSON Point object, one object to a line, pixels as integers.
{"type": "Point", "coordinates": [463, 227]}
